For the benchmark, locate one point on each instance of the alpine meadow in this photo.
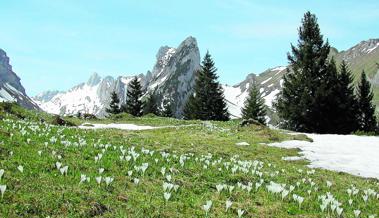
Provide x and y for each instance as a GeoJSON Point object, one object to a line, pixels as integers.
{"type": "Point", "coordinates": [297, 140]}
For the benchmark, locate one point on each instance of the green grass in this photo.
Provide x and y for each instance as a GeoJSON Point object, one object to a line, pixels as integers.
{"type": "Point", "coordinates": [42, 191]}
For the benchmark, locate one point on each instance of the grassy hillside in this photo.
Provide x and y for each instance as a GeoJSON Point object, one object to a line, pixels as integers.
{"type": "Point", "coordinates": [168, 172]}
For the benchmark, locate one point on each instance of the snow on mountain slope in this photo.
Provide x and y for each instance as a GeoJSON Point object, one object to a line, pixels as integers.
{"type": "Point", "coordinates": [171, 78]}
{"type": "Point", "coordinates": [90, 97]}
{"type": "Point", "coordinates": [11, 89]}
{"type": "Point", "coordinates": [269, 83]}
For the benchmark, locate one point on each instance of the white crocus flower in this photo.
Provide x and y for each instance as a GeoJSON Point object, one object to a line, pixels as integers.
{"type": "Point", "coordinates": [207, 206]}
{"type": "Point", "coordinates": [228, 204]}
{"type": "Point", "coordinates": [2, 190]}
{"type": "Point", "coordinates": [166, 196]}
{"type": "Point", "coordinates": [240, 212]}
{"type": "Point", "coordinates": [20, 168]}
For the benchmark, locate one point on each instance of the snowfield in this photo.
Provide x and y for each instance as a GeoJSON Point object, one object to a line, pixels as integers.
{"type": "Point", "coordinates": [115, 126]}
{"type": "Point", "coordinates": [357, 155]}
{"type": "Point", "coordinates": [125, 126]}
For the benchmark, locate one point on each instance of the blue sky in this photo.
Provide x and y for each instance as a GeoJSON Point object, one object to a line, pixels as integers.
{"type": "Point", "coordinates": [55, 44]}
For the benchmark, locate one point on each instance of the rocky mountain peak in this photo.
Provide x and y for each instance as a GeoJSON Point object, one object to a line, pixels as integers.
{"type": "Point", "coordinates": [94, 79]}
{"type": "Point", "coordinates": [11, 88]}
{"type": "Point", "coordinates": [366, 47]}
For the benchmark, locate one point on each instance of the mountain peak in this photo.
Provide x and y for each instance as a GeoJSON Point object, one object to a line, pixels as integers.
{"type": "Point", "coordinates": [94, 79]}
{"type": "Point", "coordinates": [189, 41]}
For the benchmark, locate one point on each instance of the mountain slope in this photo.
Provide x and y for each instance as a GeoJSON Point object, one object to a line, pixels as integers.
{"type": "Point", "coordinates": [363, 56]}
{"type": "Point", "coordinates": [11, 88]}
{"type": "Point", "coordinates": [171, 78]}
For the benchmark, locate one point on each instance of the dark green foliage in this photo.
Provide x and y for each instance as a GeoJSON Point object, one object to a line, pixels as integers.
{"type": "Point", "coordinates": [150, 106]}
{"type": "Point", "coordinates": [167, 109]}
{"type": "Point", "coordinates": [318, 98]}
{"type": "Point", "coordinates": [315, 97]}
{"type": "Point", "coordinates": [134, 94]}
{"type": "Point", "coordinates": [346, 111]}
{"type": "Point", "coordinates": [254, 107]}
{"type": "Point", "coordinates": [297, 104]}
{"type": "Point", "coordinates": [57, 120]}
{"type": "Point", "coordinates": [366, 115]}
{"type": "Point", "coordinates": [207, 101]}
{"type": "Point", "coordinates": [114, 105]}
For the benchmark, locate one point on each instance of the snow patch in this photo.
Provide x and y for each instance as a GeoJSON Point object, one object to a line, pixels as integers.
{"type": "Point", "coordinates": [266, 81]}
{"type": "Point", "coordinates": [242, 144]}
{"type": "Point", "coordinates": [115, 126]}
{"type": "Point", "coordinates": [373, 48]}
{"type": "Point", "coordinates": [293, 158]}
{"type": "Point", "coordinates": [271, 97]}
{"type": "Point", "coordinates": [357, 155]}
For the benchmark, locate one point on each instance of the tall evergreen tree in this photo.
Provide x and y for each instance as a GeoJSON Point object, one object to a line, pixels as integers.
{"type": "Point", "coordinates": [207, 101]}
{"type": "Point", "coordinates": [254, 107]}
{"type": "Point", "coordinates": [134, 94]}
{"type": "Point", "coordinates": [114, 105]}
{"type": "Point", "coordinates": [150, 106]}
{"type": "Point", "coordinates": [366, 117]}
{"type": "Point", "coordinates": [305, 89]}
{"type": "Point", "coordinates": [346, 111]}
{"type": "Point", "coordinates": [167, 109]}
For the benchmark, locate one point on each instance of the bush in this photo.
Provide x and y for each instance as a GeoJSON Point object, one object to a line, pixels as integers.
{"type": "Point", "coordinates": [58, 121]}
{"type": "Point", "coordinates": [89, 116]}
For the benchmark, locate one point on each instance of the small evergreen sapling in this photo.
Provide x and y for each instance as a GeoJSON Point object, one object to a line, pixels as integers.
{"type": "Point", "coordinates": [114, 105]}
{"type": "Point", "coordinates": [254, 107]}
{"type": "Point", "coordinates": [134, 94]}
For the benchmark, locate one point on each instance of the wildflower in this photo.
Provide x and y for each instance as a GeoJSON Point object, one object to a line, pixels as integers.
{"type": "Point", "coordinates": [108, 180]}
{"type": "Point", "coordinates": [166, 196]}
{"type": "Point", "coordinates": [98, 179]}
{"type": "Point", "coordinates": [101, 170]}
{"type": "Point", "coordinates": [240, 212]}
{"type": "Point", "coordinates": [1, 173]}
{"type": "Point", "coordinates": [2, 190]}
{"type": "Point", "coordinates": [20, 168]}
{"type": "Point", "coordinates": [228, 204]}
{"type": "Point", "coordinates": [357, 213]}
{"type": "Point", "coordinates": [207, 206]}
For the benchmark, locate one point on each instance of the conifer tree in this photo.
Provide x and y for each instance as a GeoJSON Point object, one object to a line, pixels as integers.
{"type": "Point", "coordinates": [167, 109]}
{"type": "Point", "coordinates": [150, 106]}
{"type": "Point", "coordinates": [254, 107]}
{"type": "Point", "coordinates": [346, 112]}
{"type": "Point", "coordinates": [114, 105]}
{"type": "Point", "coordinates": [366, 115]}
{"type": "Point", "coordinates": [134, 94]}
{"type": "Point", "coordinates": [298, 102]}
{"type": "Point", "coordinates": [207, 101]}
{"type": "Point", "coordinates": [189, 108]}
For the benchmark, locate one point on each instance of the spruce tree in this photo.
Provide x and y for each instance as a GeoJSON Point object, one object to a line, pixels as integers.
{"type": "Point", "coordinates": [207, 101]}
{"type": "Point", "coordinates": [346, 112]}
{"type": "Point", "coordinates": [366, 115]}
{"type": "Point", "coordinates": [303, 88]}
{"type": "Point", "coordinates": [254, 106]}
{"type": "Point", "coordinates": [167, 109]}
{"type": "Point", "coordinates": [114, 105]}
{"type": "Point", "coordinates": [150, 106]}
{"type": "Point", "coordinates": [134, 94]}
{"type": "Point", "coordinates": [189, 108]}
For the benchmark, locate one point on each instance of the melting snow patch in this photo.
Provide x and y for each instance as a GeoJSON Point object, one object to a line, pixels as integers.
{"type": "Point", "coordinates": [242, 144]}
{"type": "Point", "coordinates": [357, 155]}
{"type": "Point", "coordinates": [293, 158]}
{"type": "Point", "coordinates": [116, 126]}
